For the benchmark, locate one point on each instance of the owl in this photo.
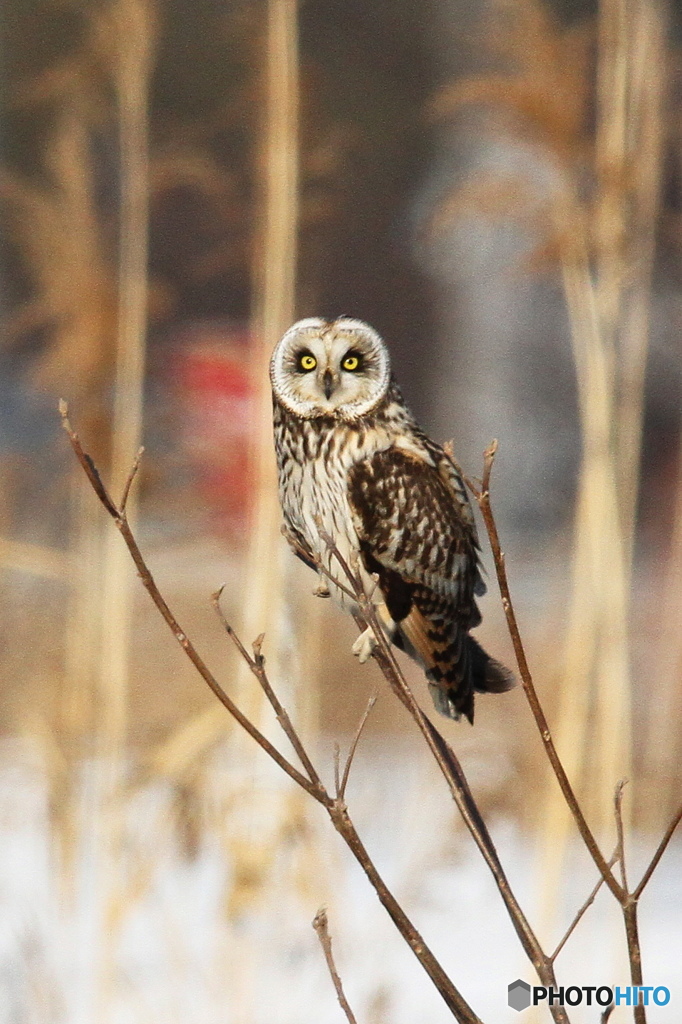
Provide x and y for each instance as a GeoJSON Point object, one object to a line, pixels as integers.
{"type": "Point", "coordinates": [354, 464]}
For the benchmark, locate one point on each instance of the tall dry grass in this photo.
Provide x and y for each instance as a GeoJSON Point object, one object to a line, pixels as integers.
{"type": "Point", "coordinates": [253, 800]}
{"type": "Point", "coordinates": [607, 281]}
{"type": "Point", "coordinates": [59, 233]}
{"type": "Point", "coordinates": [97, 310]}
{"type": "Point", "coordinates": [127, 30]}
{"type": "Point", "coordinates": [599, 217]}
{"type": "Point", "coordinates": [662, 735]}
{"type": "Point", "coordinates": [87, 355]}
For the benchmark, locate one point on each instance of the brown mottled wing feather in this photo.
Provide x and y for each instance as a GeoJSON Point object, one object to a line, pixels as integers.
{"type": "Point", "coordinates": [417, 533]}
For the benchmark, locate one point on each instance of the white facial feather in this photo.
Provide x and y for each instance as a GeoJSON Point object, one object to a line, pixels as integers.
{"type": "Point", "coordinates": [327, 388]}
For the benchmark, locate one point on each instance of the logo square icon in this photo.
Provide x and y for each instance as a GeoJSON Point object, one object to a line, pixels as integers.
{"type": "Point", "coordinates": [518, 994]}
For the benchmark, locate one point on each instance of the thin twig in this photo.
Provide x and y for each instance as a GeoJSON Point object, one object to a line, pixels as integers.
{"type": "Point", "coordinates": [336, 808]}
{"type": "Point", "coordinates": [129, 481]}
{"type": "Point", "coordinates": [618, 811]}
{"type": "Point", "coordinates": [320, 926]}
{"type": "Point", "coordinates": [337, 770]}
{"type": "Point", "coordinates": [669, 832]}
{"type": "Point", "coordinates": [482, 496]}
{"type": "Point", "coordinates": [309, 557]}
{"type": "Point", "coordinates": [353, 747]}
{"type": "Point", "coordinates": [149, 583]}
{"type": "Point", "coordinates": [257, 666]}
{"type": "Point", "coordinates": [583, 910]}
{"type": "Point", "coordinates": [452, 772]}
{"type": "Point", "coordinates": [607, 1013]}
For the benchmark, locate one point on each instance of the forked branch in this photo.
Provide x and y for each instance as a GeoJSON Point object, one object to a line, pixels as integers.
{"type": "Point", "coordinates": [628, 900]}
{"type": "Point", "coordinates": [482, 495]}
{"type": "Point", "coordinates": [451, 769]}
{"type": "Point", "coordinates": [335, 806]}
{"type": "Point", "coordinates": [309, 779]}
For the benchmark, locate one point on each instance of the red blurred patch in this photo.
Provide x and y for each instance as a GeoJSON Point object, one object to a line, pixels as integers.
{"type": "Point", "coordinates": [210, 369]}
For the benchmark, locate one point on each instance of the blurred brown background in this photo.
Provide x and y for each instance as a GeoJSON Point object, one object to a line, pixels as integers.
{"type": "Point", "coordinates": [496, 189]}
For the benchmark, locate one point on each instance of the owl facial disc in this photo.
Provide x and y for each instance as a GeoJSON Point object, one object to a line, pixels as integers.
{"type": "Point", "coordinates": [338, 368]}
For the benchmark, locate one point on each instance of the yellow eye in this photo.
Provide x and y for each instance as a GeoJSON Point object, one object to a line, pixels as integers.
{"type": "Point", "coordinates": [351, 363]}
{"type": "Point", "coordinates": [307, 362]}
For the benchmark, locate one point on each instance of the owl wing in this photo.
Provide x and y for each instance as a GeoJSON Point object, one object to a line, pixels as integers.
{"type": "Point", "coordinates": [417, 533]}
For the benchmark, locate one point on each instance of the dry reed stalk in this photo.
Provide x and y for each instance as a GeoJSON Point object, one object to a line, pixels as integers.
{"type": "Point", "coordinates": [58, 232]}
{"type": "Point", "coordinates": [128, 27]}
{"type": "Point", "coordinates": [82, 623]}
{"type": "Point", "coordinates": [646, 128]}
{"type": "Point", "coordinates": [605, 241]}
{"type": "Point", "coordinates": [131, 21]}
{"type": "Point", "coordinates": [273, 311]}
{"type": "Point", "coordinates": [663, 730]}
{"type": "Point", "coordinates": [596, 651]}
{"type": "Point", "coordinates": [608, 301]}
{"type": "Point", "coordinates": [259, 814]}
{"type": "Point", "coordinates": [85, 328]}
{"type": "Point", "coordinates": [266, 811]}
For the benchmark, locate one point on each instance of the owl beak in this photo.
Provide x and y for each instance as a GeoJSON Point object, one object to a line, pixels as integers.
{"type": "Point", "coordinates": [327, 384]}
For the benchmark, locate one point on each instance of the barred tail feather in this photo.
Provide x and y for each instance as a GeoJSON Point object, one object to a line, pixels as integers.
{"type": "Point", "coordinates": [472, 670]}
{"type": "Point", "coordinates": [488, 675]}
{"type": "Point", "coordinates": [455, 664]}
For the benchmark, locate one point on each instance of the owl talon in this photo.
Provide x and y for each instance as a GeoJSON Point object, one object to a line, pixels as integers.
{"type": "Point", "coordinates": [364, 646]}
{"type": "Point", "coordinates": [321, 590]}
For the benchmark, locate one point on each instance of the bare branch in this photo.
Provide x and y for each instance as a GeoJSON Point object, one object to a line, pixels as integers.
{"type": "Point", "coordinates": [320, 926]}
{"type": "Point", "coordinates": [482, 496]}
{"type": "Point", "coordinates": [310, 559]}
{"type": "Point", "coordinates": [452, 997]}
{"type": "Point", "coordinates": [337, 771]}
{"type": "Point", "coordinates": [618, 810]}
{"type": "Point", "coordinates": [662, 846]}
{"type": "Point", "coordinates": [149, 583]}
{"type": "Point", "coordinates": [353, 747]}
{"type": "Point", "coordinates": [583, 910]}
{"type": "Point", "coordinates": [257, 666]}
{"type": "Point", "coordinates": [215, 601]}
{"type": "Point", "coordinates": [634, 953]}
{"type": "Point", "coordinates": [453, 774]}
{"type": "Point", "coordinates": [129, 481]}
{"type": "Point", "coordinates": [86, 462]}
{"type": "Point", "coordinates": [607, 1013]}
{"type": "Point", "coordinates": [336, 808]}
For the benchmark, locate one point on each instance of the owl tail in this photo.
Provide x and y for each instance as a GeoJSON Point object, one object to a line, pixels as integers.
{"type": "Point", "coordinates": [474, 671]}
{"type": "Point", "coordinates": [455, 664]}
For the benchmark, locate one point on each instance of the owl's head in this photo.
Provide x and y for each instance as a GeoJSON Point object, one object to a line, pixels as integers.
{"type": "Point", "coordinates": [338, 368]}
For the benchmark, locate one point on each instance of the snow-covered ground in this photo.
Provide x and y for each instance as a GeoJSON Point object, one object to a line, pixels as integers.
{"type": "Point", "coordinates": [173, 946]}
